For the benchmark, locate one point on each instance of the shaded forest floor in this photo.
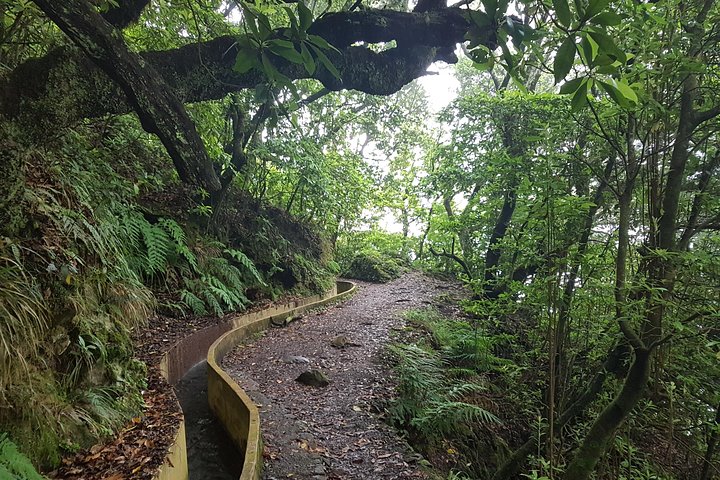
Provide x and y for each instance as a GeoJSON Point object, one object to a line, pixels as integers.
{"type": "Point", "coordinates": [336, 431]}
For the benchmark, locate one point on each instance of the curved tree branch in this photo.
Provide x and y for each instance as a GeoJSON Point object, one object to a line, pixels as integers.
{"type": "Point", "coordinates": [65, 86]}
{"type": "Point", "coordinates": [159, 109]}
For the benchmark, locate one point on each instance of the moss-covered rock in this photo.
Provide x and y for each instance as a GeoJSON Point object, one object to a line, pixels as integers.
{"type": "Point", "coordinates": [373, 267]}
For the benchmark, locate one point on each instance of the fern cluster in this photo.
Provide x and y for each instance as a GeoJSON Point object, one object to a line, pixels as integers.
{"type": "Point", "coordinates": [441, 396]}
{"type": "Point", "coordinates": [460, 342]}
{"type": "Point", "coordinates": [213, 280]}
{"type": "Point", "coordinates": [13, 464]}
{"type": "Point", "coordinates": [430, 400]}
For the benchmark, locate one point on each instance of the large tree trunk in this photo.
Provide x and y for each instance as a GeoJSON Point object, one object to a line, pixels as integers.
{"type": "Point", "coordinates": [159, 109]}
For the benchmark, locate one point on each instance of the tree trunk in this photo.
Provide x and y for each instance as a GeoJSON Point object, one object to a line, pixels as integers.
{"type": "Point", "coordinates": [711, 446]}
{"type": "Point", "coordinates": [493, 254]}
{"type": "Point", "coordinates": [603, 429]}
{"type": "Point", "coordinates": [159, 109]}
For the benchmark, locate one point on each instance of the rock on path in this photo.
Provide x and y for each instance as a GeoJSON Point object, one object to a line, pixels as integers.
{"type": "Point", "coordinates": [332, 432]}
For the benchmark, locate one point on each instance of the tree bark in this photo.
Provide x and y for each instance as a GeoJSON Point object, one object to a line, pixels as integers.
{"type": "Point", "coordinates": [604, 427]}
{"type": "Point", "coordinates": [64, 86]}
{"type": "Point", "coordinates": [159, 109]}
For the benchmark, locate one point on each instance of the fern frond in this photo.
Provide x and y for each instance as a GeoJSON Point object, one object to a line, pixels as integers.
{"type": "Point", "coordinates": [247, 264]}
{"type": "Point", "coordinates": [212, 301]}
{"type": "Point", "coordinates": [13, 464]}
{"type": "Point", "coordinates": [463, 390]}
{"type": "Point", "coordinates": [177, 234]}
{"type": "Point", "coordinates": [193, 302]}
{"type": "Point", "coordinates": [157, 243]}
{"type": "Point", "coordinates": [448, 417]}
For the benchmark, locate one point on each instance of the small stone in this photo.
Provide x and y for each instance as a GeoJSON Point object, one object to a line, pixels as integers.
{"type": "Point", "coordinates": [341, 341]}
{"type": "Point", "coordinates": [296, 359]}
{"type": "Point", "coordinates": [313, 378]}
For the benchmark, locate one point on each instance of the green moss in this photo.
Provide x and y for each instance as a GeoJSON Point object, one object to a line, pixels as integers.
{"type": "Point", "coordinates": [373, 267]}
{"type": "Point", "coordinates": [12, 183]}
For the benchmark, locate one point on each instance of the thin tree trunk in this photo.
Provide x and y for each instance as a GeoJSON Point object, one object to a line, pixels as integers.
{"type": "Point", "coordinates": [493, 254]}
{"type": "Point", "coordinates": [711, 446]}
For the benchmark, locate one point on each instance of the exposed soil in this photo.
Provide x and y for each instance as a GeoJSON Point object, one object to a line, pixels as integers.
{"type": "Point", "coordinates": [334, 432]}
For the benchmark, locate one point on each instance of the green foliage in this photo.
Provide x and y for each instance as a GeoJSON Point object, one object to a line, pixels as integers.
{"type": "Point", "coordinates": [430, 401]}
{"type": "Point", "coordinates": [25, 317]}
{"type": "Point", "coordinates": [373, 267]}
{"type": "Point", "coordinates": [260, 48]}
{"type": "Point", "coordinates": [441, 399]}
{"type": "Point", "coordinates": [219, 286]}
{"type": "Point", "coordinates": [211, 283]}
{"type": "Point", "coordinates": [13, 464]}
{"type": "Point", "coordinates": [461, 343]}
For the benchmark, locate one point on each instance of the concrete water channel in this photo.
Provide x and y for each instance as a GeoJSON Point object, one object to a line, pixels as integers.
{"type": "Point", "coordinates": [211, 453]}
{"type": "Point", "coordinates": [219, 437]}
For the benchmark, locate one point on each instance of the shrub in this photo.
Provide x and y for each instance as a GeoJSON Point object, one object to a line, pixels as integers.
{"type": "Point", "coordinates": [373, 267]}
{"type": "Point", "coordinates": [13, 464]}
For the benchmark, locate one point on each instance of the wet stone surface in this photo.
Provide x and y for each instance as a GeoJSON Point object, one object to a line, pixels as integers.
{"type": "Point", "coordinates": [211, 454]}
{"type": "Point", "coordinates": [334, 432]}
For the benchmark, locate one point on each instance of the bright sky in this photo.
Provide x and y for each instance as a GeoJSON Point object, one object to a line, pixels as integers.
{"type": "Point", "coordinates": [441, 88]}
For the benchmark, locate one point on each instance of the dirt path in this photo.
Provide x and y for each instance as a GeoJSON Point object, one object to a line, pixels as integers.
{"type": "Point", "coordinates": [333, 432]}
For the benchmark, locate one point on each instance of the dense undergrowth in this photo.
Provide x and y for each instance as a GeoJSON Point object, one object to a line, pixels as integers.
{"type": "Point", "coordinates": [96, 237]}
{"type": "Point", "coordinates": [464, 396]}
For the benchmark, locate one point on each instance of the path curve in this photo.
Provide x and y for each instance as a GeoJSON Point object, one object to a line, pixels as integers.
{"type": "Point", "coordinates": [333, 432]}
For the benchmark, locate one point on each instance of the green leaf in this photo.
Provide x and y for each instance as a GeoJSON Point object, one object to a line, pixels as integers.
{"type": "Point", "coordinates": [293, 20]}
{"type": "Point", "coordinates": [626, 91]}
{"type": "Point", "coordinates": [285, 49]}
{"type": "Point", "coordinates": [595, 7]}
{"type": "Point", "coordinates": [562, 10]}
{"type": "Point", "coordinates": [264, 26]}
{"type": "Point", "coordinates": [307, 58]}
{"type": "Point", "coordinates": [269, 69]}
{"type": "Point", "coordinates": [589, 49]}
{"type": "Point", "coordinates": [620, 93]}
{"type": "Point", "coordinates": [306, 16]}
{"type": "Point", "coordinates": [245, 60]}
{"type": "Point", "coordinates": [322, 43]}
{"type": "Point", "coordinates": [251, 21]}
{"type": "Point", "coordinates": [579, 100]}
{"type": "Point", "coordinates": [579, 7]}
{"type": "Point", "coordinates": [607, 45]}
{"type": "Point", "coordinates": [607, 19]}
{"type": "Point", "coordinates": [564, 59]}
{"type": "Point", "coordinates": [571, 86]}
{"type": "Point", "coordinates": [326, 62]}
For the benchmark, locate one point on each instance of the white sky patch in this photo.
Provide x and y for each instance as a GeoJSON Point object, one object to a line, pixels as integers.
{"type": "Point", "coordinates": [441, 88]}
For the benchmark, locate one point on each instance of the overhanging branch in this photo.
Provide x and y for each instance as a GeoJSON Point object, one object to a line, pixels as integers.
{"type": "Point", "coordinates": [64, 85]}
